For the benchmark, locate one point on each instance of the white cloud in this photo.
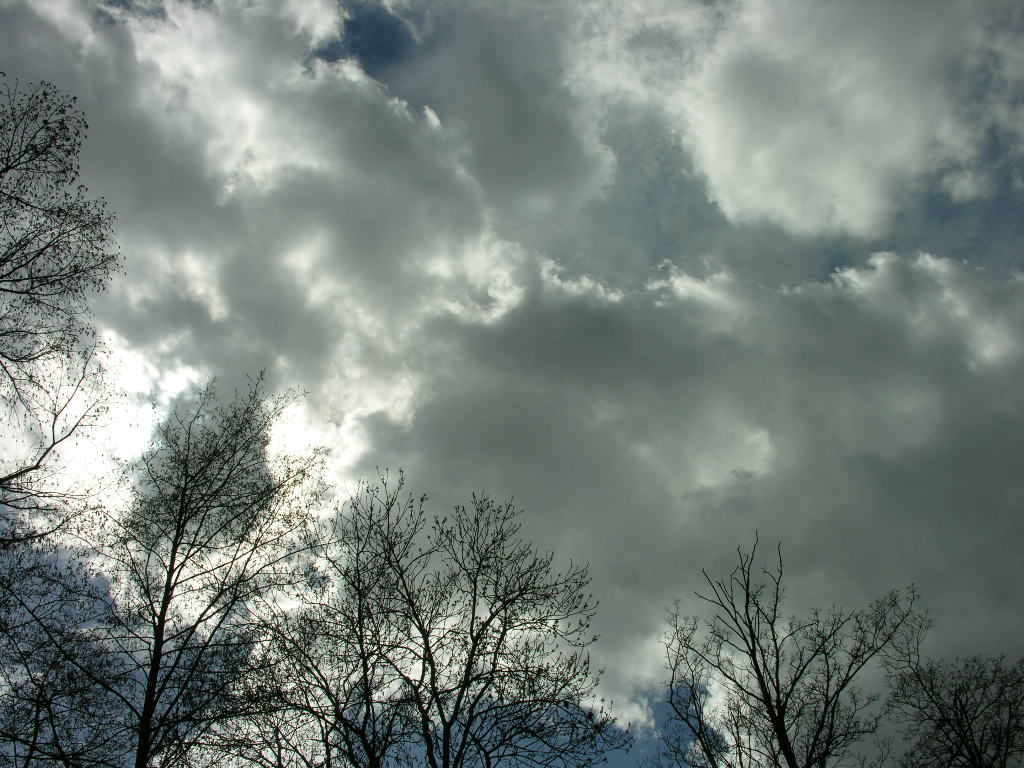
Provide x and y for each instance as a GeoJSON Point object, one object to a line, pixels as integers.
{"type": "Point", "coordinates": [812, 116]}
{"type": "Point", "coordinates": [558, 277]}
{"type": "Point", "coordinates": [318, 20]}
{"type": "Point", "coordinates": [207, 84]}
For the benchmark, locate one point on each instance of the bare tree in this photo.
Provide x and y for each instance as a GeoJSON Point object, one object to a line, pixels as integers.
{"type": "Point", "coordinates": [959, 713]}
{"type": "Point", "coordinates": [51, 712]}
{"type": "Point", "coordinates": [215, 528]}
{"type": "Point", "coordinates": [446, 643]}
{"type": "Point", "coordinates": [750, 687]}
{"type": "Point", "coordinates": [340, 653]}
{"type": "Point", "coordinates": [498, 637]}
{"type": "Point", "coordinates": [270, 737]}
{"type": "Point", "coordinates": [56, 247]}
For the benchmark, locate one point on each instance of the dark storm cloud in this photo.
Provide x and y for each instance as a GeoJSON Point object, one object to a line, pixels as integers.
{"type": "Point", "coordinates": [870, 422]}
{"type": "Point", "coordinates": [615, 260]}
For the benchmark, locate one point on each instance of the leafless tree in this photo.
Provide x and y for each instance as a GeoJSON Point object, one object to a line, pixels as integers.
{"type": "Point", "coordinates": [959, 713]}
{"type": "Point", "coordinates": [51, 711]}
{"type": "Point", "coordinates": [750, 687]}
{"type": "Point", "coordinates": [339, 654]}
{"type": "Point", "coordinates": [56, 247]}
{"type": "Point", "coordinates": [215, 527]}
{"type": "Point", "coordinates": [448, 642]}
{"type": "Point", "coordinates": [498, 639]}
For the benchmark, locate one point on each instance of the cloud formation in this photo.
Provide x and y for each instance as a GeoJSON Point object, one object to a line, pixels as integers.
{"type": "Point", "coordinates": [818, 117]}
{"type": "Point", "coordinates": [668, 273]}
{"type": "Point", "coordinates": [866, 421]}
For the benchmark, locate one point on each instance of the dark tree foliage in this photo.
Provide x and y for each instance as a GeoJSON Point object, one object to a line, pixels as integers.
{"type": "Point", "coordinates": [752, 687]}
{"type": "Point", "coordinates": [959, 713]}
{"type": "Point", "coordinates": [168, 612]}
{"type": "Point", "coordinates": [214, 529]}
{"type": "Point", "coordinates": [448, 642]}
{"type": "Point", "coordinates": [56, 247]}
{"type": "Point", "coordinates": [51, 710]}
{"type": "Point", "coordinates": [339, 654]}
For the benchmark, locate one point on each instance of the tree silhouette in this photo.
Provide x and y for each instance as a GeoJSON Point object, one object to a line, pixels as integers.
{"type": "Point", "coordinates": [959, 713]}
{"type": "Point", "coordinates": [448, 642]}
{"type": "Point", "coordinates": [52, 712]}
{"type": "Point", "coordinates": [214, 530]}
{"type": "Point", "coordinates": [751, 687]}
{"type": "Point", "coordinates": [56, 247]}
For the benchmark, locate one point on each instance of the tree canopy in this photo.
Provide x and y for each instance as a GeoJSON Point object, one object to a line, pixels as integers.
{"type": "Point", "coordinates": [56, 249]}
{"type": "Point", "coordinates": [752, 686]}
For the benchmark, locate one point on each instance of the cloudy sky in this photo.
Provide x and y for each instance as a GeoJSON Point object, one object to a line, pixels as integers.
{"type": "Point", "coordinates": [667, 272]}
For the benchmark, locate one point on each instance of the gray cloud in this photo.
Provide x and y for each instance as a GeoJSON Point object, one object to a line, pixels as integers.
{"type": "Point", "coordinates": [818, 118]}
{"type": "Point", "coordinates": [870, 422]}
{"type": "Point", "coordinates": [493, 74]}
{"type": "Point", "coordinates": [653, 268]}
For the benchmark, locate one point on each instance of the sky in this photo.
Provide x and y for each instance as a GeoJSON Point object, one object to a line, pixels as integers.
{"type": "Point", "coordinates": [671, 274]}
